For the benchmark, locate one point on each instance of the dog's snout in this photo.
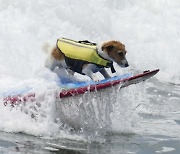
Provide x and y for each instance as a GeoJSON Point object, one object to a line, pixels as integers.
{"type": "Point", "coordinates": [126, 65]}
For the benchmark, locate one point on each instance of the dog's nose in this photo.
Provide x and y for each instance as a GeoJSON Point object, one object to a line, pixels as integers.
{"type": "Point", "coordinates": [126, 65]}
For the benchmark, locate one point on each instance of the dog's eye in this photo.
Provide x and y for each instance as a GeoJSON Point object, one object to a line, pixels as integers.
{"type": "Point", "coordinates": [121, 54]}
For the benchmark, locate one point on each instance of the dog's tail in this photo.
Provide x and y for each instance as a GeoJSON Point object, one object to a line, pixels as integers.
{"type": "Point", "coordinates": [46, 47]}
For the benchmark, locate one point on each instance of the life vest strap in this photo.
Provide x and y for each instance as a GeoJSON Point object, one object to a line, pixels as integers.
{"type": "Point", "coordinates": [112, 69]}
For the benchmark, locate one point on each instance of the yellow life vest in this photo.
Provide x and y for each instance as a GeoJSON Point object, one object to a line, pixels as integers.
{"type": "Point", "coordinates": [81, 51]}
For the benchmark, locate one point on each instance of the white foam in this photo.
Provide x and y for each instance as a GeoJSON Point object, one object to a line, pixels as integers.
{"type": "Point", "coordinates": [166, 149]}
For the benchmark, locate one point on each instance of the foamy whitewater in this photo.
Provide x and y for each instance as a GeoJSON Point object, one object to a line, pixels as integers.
{"type": "Point", "coordinates": [150, 31]}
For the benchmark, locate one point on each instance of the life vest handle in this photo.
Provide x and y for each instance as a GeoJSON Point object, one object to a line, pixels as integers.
{"type": "Point", "coordinates": [86, 42]}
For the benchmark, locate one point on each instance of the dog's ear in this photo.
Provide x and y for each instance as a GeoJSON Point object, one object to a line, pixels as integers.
{"type": "Point", "coordinates": [108, 48]}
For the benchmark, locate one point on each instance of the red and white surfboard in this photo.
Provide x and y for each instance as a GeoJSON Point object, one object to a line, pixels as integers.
{"type": "Point", "coordinates": [92, 87]}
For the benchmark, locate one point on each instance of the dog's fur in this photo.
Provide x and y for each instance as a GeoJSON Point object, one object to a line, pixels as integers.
{"type": "Point", "coordinates": [112, 50]}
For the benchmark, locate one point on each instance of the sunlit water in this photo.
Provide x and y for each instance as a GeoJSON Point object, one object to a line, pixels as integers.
{"type": "Point", "coordinates": [142, 118]}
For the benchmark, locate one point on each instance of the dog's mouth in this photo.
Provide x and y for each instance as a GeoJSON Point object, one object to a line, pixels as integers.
{"type": "Point", "coordinates": [123, 64]}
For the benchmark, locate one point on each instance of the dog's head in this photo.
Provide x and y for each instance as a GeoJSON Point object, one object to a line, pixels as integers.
{"type": "Point", "coordinates": [116, 51]}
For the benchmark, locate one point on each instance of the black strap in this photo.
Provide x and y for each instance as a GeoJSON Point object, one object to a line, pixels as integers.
{"type": "Point", "coordinates": [111, 66]}
{"type": "Point", "coordinates": [112, 69]}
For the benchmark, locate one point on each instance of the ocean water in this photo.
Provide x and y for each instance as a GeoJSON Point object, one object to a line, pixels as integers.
{"type": "Point", "coordinates": [143, 118]}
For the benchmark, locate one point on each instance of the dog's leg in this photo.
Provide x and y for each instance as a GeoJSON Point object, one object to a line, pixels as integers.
{"type": "Point", "coordinates": [88, 70]}
{"type": "Point", "coordinates": [70, 72]}
{"type": "Point", "coordinates": [90, 74]}
{"type": "Point", "coordinates": [104, 73]}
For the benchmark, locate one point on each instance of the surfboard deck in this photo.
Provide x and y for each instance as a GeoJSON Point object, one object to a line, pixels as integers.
{"type": "Point", "coordinates": [78, 88]}
{"type": "Point", "coordinates": [124, 80]}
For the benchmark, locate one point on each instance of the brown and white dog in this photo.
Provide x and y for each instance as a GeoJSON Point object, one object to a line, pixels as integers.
{"type": "Point", "coordinates": [113, 51]}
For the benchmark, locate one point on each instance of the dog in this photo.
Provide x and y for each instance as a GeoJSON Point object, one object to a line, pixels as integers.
{"type": "Point", "coordinates": [85, 57]}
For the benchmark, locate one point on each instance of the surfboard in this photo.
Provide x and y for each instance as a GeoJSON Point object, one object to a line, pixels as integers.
{"type": "Point", "coordinates": [124, 81]}
{"type": "Point", "coordinates": [71, 89]}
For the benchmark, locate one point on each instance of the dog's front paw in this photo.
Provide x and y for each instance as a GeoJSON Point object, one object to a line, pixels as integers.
{"type": "Point", "coordinates": [95, 79]}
